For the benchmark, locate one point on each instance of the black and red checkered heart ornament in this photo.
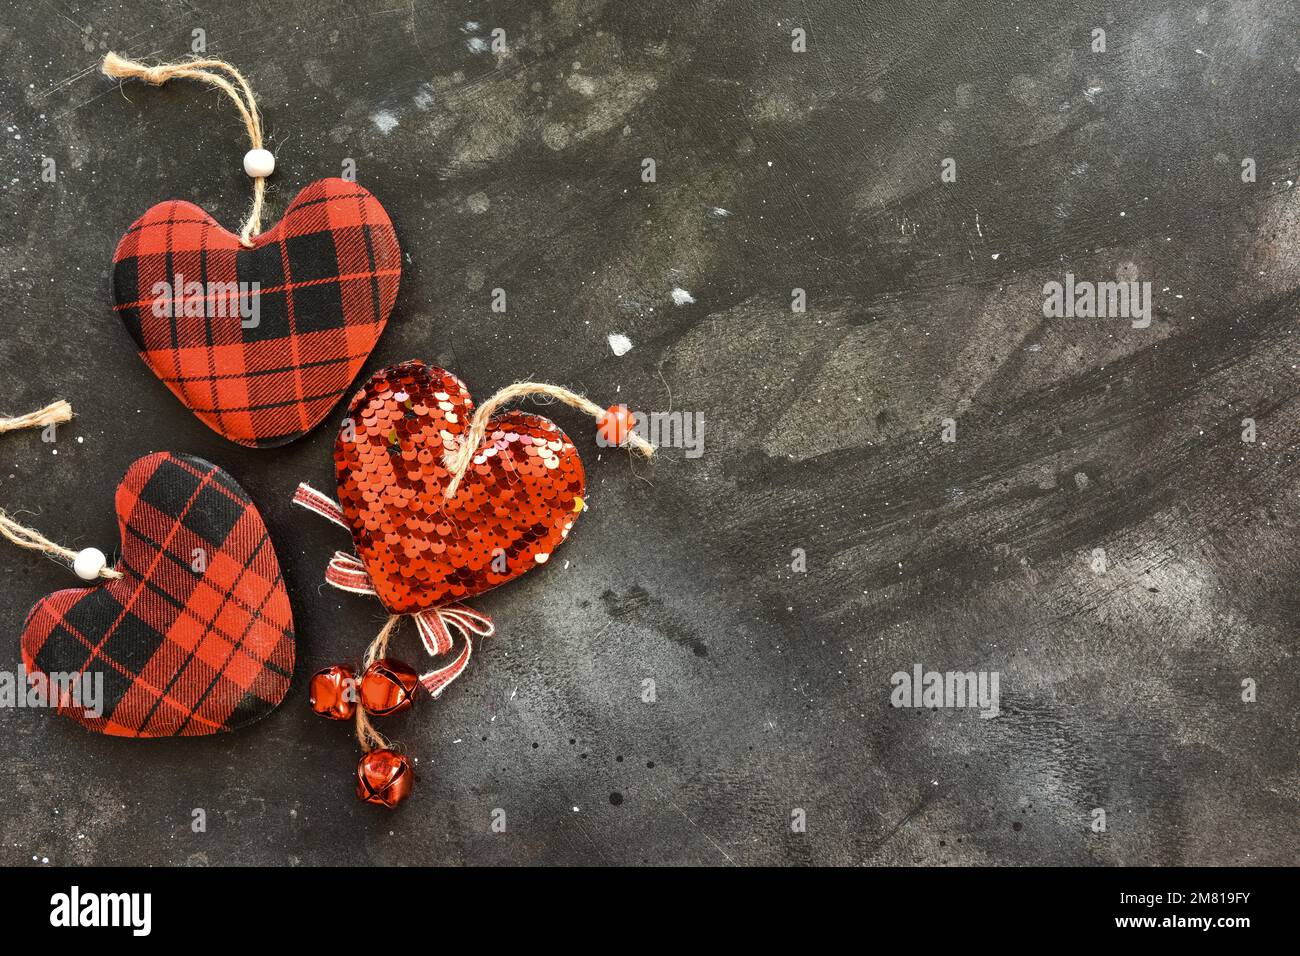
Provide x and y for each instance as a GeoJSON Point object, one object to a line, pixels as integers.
{"type": "Point", "coordinates": [195, 636]}
{"type": "Point", "coordinates": [260, 340]}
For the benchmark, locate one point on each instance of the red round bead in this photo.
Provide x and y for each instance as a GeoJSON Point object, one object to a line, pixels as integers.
{"type": "Point", "coordinates": [334, 692]}
{"type": "Point", "coordinates": [615, 425]}
{"type": "Point", "coordinates": [388, 687]}
{"type": "Point", "coordinates": [384, 778]}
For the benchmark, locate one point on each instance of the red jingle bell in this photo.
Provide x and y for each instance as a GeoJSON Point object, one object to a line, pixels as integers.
{"type": "Point", "coordinates": [384, 778]}
{"type": "Point", "coordinates": [388, 687]}
{"type": "Point", "coordinates": [334, 692]}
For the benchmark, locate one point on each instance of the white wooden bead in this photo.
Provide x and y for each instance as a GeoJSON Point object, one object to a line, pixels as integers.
{"type": "Point", "coordinates": [259, 162]}
{"type": "Point", "coordinates": [88, 563]}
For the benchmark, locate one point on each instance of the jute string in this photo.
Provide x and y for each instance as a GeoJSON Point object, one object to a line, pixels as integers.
{"type": "Point", "coordinates": [18, 533]}
{"type": "Point", "coordinates": [458, 462]}
{"type": "Point", "coordinates": [239, 92]}
{"type": "Point", "coordinates": [55, 413]}
{"type": "Point", "coordinates": [367, 735]}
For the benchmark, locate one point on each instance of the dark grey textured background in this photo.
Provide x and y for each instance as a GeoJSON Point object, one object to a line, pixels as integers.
{"type": "Point", "coordinates": [521, 171]}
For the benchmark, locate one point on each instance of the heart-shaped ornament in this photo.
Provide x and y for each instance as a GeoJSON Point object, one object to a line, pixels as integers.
{"type": "Point", "coordinates": [195, 637]}
{"type": "Point", "coordinates": [260, 343]}
{"type": "Point", "coordinates": [422, 550]}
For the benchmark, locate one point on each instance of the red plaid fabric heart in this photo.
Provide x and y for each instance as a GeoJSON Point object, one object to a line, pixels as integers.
{"type": "Point", "coordinates": [423, 550]}
{"type": "Point", "coordinates": [196, 637]}
{"type": "Point", "coordinates": [260, 343]}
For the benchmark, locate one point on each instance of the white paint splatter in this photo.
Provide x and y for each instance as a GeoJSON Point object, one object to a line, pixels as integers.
{"type": "Point", "coordinates": [582, 84]}
{"type": "Point", "coordinates": [384, 121]}
{"type": "Point", "coordinates": [619, 343]}
{"type": "Point", "coordinates": [682, 297]}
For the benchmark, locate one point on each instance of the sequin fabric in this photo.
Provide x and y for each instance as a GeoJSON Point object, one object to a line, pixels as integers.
{"type": "Point", "coordinates": [516, 504]}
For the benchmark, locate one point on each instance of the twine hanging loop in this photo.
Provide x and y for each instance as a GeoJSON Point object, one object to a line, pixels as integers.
{"type": "Point", "coordinates": [17, 532]}
{"type": "Point", "coordinates": [459, 460]}
{"type": "Point", "coordinates": [235, 87]}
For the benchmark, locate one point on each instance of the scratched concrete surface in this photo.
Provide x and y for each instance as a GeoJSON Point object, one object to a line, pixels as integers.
{"type": "Point", "coordinates": [776, 170]}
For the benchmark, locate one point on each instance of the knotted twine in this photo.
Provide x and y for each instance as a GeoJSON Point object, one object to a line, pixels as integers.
{"type": "Point", "coordinates": [53, 414]}
{"type": "Point", "coordinates": [239, 92]}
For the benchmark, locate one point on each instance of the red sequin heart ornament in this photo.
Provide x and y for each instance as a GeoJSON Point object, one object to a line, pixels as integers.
{"type": "Point", "coordinates": [445, 501]}
{"type": "Point", "coordinates": [422, 550]}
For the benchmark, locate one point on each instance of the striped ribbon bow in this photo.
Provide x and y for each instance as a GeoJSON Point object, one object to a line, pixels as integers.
{"type": "Point", "coordinates": [347, 573]}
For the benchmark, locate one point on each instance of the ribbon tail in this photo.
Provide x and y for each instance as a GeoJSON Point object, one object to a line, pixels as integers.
{"type": "Point", "coordinates": [308, 497]}
{"type": "Point", "coordinates": [467, 620]}
{"type": "Point", "coordinates": [433, 632]}
{"type": "Point", "coordinates": [435, 628]}
{"type": "Point", "coordinates": [347, 573]}
{"type": "Point", "coordinates": [436, 681]}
